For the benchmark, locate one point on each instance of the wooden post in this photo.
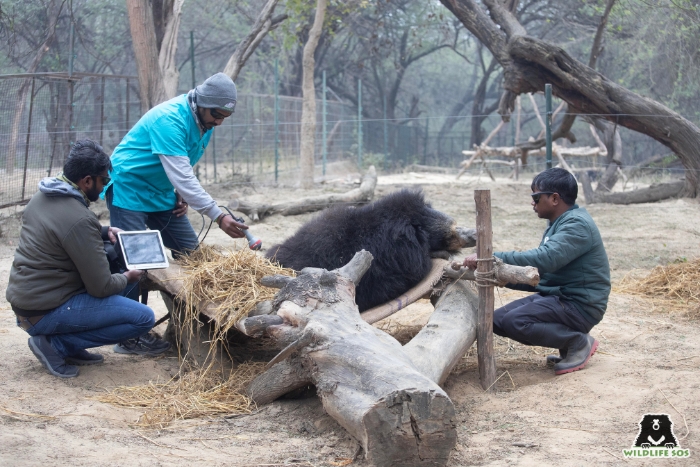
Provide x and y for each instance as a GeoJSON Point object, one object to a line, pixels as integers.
{"type": "Point", "coordinates": [484, 252]}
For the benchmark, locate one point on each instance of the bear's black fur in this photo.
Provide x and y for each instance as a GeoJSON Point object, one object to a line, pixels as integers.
{"type": "Point", "coordinates": [400, 230]}
{"type": "Point", "coordinates": [656, 430]}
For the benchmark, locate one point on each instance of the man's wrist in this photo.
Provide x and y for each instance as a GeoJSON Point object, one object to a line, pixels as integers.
{"type": "Point", "coordinates": [221, 217]}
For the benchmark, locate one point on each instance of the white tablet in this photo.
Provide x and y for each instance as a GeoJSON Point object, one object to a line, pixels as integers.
{"type": "Point", "coordinates": [143, 249]}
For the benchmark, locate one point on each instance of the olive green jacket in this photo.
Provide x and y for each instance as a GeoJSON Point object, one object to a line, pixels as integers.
{"type": "Point", "coordinates": [60, 253]}
{"type": "Point", "coordinates": [572, 263]}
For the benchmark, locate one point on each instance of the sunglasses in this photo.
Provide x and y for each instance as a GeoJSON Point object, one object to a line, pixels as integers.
{"type": "Point", "coordinates": [536, 196]}
{"type": "Point", "coordinates": [105, 179]}
{"type": "Point", "coordinates": [218, 115]}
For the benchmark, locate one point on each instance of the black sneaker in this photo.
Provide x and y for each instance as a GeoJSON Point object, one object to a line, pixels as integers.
{"type": "Point", "coordinates": [84, 357]}
{"type": "Point", "coordinates": [154, 342]}
{"type": "Point", "coordinates": [143, 345]}
{"type": "Point", "coordinates": [53, 362]}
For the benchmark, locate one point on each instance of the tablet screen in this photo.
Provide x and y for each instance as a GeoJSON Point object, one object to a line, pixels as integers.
{"type": "Point", "coordinates": [142, 248]}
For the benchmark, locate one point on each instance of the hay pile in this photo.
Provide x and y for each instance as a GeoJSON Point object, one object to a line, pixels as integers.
{"type": "Point", "coordinates": [674, 286]}
{"type": "Point", "coordinates": [228, 280]}
{"type": "Point", "coordinates": [197, 393]}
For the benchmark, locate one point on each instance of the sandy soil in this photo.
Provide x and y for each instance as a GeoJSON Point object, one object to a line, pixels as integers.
{"type": "Point", "coordinates": [646, 364]}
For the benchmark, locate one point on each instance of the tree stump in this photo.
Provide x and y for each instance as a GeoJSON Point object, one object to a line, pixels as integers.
{"type": "Point", "coordinates": [364, 378]}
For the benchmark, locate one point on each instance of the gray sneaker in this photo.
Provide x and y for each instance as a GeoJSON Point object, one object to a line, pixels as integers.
{"type": "Point", "coordinates": [53, 362]}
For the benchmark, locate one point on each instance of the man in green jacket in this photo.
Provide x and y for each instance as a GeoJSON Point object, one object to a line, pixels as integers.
{"type": "Point", "coordinates": [60, 286]}
{"type": "Point", "coordinates": [574, 283]}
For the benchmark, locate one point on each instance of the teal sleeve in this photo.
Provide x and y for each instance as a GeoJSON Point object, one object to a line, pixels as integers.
{"type": "Point", "coordinates": [169, 135]}
{"type": "Point", "coordinates": [572, 239]}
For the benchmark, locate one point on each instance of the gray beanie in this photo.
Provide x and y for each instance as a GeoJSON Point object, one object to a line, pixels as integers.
{"type": "Point", "coordinates": [217, 92]}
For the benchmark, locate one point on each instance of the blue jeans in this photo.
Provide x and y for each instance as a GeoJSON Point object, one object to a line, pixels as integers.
{"type": "Point", "coordinates": [177, 232]}
{"type": "Point", "coordinates": [85, 321]}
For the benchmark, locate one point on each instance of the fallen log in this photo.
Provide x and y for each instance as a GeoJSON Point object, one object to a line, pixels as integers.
{"type": "Point", "coordinates": [361, 195]}
{"type": "Point", "coordinates": [448, 335]}
{"type": "Point", "coordinates": [657, 192]}
{"type": "Point", "coordinates": [365, 380]}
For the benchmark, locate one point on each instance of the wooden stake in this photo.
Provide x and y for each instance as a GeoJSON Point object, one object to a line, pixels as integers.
{"type": "Point", "coordinates": [484, 252]}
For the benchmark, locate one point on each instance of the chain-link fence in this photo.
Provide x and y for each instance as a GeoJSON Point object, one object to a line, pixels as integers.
{"type": "Point", "coordinates": [42, 114]}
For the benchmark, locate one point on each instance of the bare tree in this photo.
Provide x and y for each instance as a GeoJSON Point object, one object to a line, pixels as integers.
{"type": "Point", "coordinates": [529, 63]}
{"type": "Point", "coordinates": [54, 11]}
{"type": "Point", "coordinates": [154, 28]}
{"type": "Point", "coordinates": [308, 112]}
{"type": "Point", "coordinates": [263, 25]}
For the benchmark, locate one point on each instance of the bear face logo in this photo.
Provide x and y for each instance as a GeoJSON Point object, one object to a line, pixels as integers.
{"type": "Point", "coordinates": [656, 430]}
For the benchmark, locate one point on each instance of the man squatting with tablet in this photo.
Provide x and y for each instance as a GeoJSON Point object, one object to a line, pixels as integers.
{"type": "Point", "coordinates": [61, 288]}
{"type": "Point", "coordinates": [152, 181]}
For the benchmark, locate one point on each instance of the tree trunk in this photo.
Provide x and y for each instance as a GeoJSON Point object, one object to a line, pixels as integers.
{"type": "Point", "coordinates": [143, 36]}
{"type": "Point", "coordinates": [168, 48]}
{"type": "Point", "coordinates": [263, 24]}
{"type": "Point", "coordinates": [365, 380]}
{"type": "Point", "coordinates": [530, 63]}
{"type": "Point", "coordinates": [308, 112]}
{"type": "Point", "coordinates": [361, 195]}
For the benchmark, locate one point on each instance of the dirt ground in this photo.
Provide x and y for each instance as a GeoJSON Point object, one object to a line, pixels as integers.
{"type": "Point", "coordinates": [646, 363]}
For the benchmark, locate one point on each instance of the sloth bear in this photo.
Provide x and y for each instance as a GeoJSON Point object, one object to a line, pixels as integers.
{"type": "Point", "coordinates": [401, 231]}
{"type": "Point", "coordinates": [656, 430]}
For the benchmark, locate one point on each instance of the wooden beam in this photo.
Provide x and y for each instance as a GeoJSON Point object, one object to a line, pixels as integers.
{"type": "Point", "coordinates": [484, 252]}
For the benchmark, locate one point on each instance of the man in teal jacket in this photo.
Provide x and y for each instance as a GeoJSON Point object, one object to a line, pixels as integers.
{"type": "Point", "coordinates": [153, 182]}
{"type": "Point", "coordinates": [574, 283]}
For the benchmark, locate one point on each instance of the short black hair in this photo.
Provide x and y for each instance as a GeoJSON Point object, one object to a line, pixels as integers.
{"type": "Point", "coordinates": [86, 157]}
{"type": "Point", "coordinates": [557, 180]}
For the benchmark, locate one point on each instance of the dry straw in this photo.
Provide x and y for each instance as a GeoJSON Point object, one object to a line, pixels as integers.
{"type": "Point", "coordinates": [227, 283]}
{"type": "Point", "coordinates": [673, 287]}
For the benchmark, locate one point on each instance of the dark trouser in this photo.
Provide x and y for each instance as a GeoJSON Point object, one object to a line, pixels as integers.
{"type": "Point", "coordinates": [542, 320]}
{"type": "Point", "coordinates": [177, 232]}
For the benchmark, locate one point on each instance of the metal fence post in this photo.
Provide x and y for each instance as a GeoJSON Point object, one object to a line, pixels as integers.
{"type": "Point", "coordinates": [102, 109]}
{"type": "Point", "coordinates": [127, 104]}
{"type": "Point", "coordinates": [277, 118]}
{"type": "Point", "coordinates": [29, 131]}
{"type": "Point", "coordinates": [386, 135]}
{"type": "Point", "coordinates": [324, 151]}
{"type": "Point", "coordinates": [359, 123]}
{"type": "Point", "coordinates": [548, 122]}
{"type": "Point", "coordinates": [427, 139]}
{"type": "Point", "coordinates": [213, 151]}
{"type": "Point", "coordinates": [194, 83]}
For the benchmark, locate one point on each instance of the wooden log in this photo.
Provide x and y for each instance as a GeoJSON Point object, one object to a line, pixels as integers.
{"type": "Point", "coordinates": [255, 326]}
{"type": "Point", "coordinates": [484, 251]}
{"type": "Point", "coordinates": [427, 168]}
{"type": "Point", "coordinates": [365, 380]}
{"type": "Point", "coordinates": [361, 195]}
{"type": "Point", "coordinates": [416, 293]}
{"type": "Point", "coordinates": [503, 273]}
{"type": "Point", "coordinates": [277, 381]}
{"type": "Point", "coordinates": [448, 335]}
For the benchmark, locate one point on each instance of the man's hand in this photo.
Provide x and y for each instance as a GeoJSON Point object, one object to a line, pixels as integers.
{"type": "Point", "coordinates": [180, 206]}
{"type": "Point", "coordinates": [133, 275]}
{"type": "Point", "coordinates": [470, 261]}
{"type": "Point", "coordinates": [232, 228]}
{"type": "Point", "coordinates": [112, 234]}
